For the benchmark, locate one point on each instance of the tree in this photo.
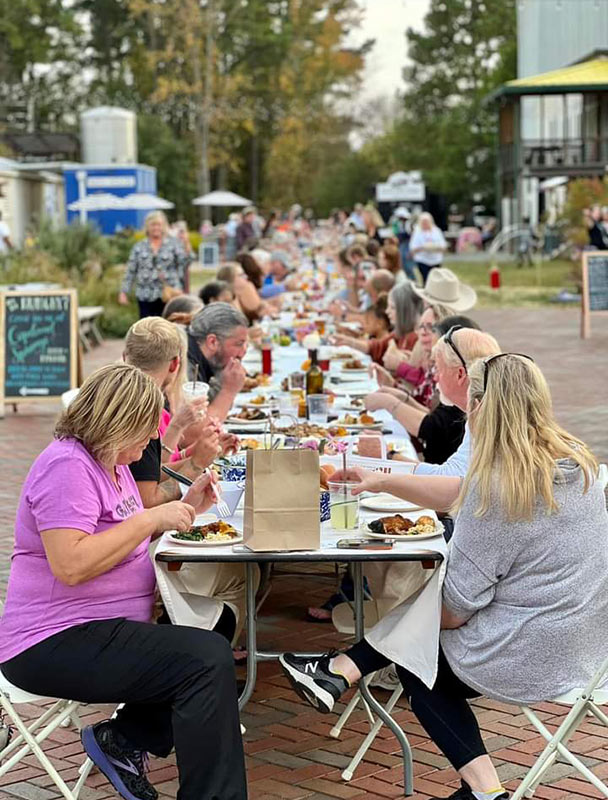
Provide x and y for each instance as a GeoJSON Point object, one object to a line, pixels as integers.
{"type": "Point", "coordinates": [468, 47]}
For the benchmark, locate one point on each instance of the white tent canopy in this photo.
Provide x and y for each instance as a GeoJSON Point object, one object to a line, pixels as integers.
{"type": "Point", "coordinates": [221, 198]}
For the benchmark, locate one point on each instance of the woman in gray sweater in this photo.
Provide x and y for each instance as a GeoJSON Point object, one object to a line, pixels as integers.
{"type": "Point", "coordinates": [525, 596]}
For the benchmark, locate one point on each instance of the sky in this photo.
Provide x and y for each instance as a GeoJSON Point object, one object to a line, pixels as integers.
{"type": "Point", "coordinates": [386, 21]}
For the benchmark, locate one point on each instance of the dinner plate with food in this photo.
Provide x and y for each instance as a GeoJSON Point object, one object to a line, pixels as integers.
{"type": "Point", "coordinates": [360, 422]}
{"type": "Point", "coordinates": [354, 365]}
{"type": "Point", "coordinates": [414, 526]}
{"type": "Point", "coordinates": [388, 502]}
{"type": "Point", "coordinates": [263, 401]}
{"type": "Point", "coordinates": [248, 417]}
{"type": "Point", "coordinates": [210, 534]}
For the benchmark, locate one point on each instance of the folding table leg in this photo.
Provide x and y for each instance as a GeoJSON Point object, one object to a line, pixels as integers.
{"type": "Point", "coordinates": [252, 646]}
{"type": "Point", "coordinates": [408, 766]}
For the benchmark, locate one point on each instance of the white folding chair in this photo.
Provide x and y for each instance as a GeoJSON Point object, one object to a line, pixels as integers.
{"type": "Point", "coordinates": [31, 734]}
{"type": "Point", "coordinates": [584, 702]}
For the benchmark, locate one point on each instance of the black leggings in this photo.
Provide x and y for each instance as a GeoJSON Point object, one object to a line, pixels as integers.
{"type": "Point", "coordinates": [178, 685]}
{"type": "Point", "coordinates": [150, 308]}
{"type": "Point", "coordinates": [443, 711]}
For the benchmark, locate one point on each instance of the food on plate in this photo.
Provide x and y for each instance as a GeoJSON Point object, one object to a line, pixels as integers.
{"type": "Point", "coordinates": [251, 414]}
{"type": "Point", "coordinates": [255, 380]}
{"type": "Point", "coordinates": [357, 402]}
{"type": "Point", "coordinates": [250, 444]}
{"type": "Point", "coordinates": [327, 470]}
{"type": "Point", "coordinates": [362, 419]}
{"type": "Point", "coordinates": [353, 363]}
{"type": "Point", "coordinates": [219, 531]}
{"type": "Point", "coordinates": [396, 525]}
{"type": "Point", "coordinates": [259, 400]}
{"type": "Point", "coordinates": [310, 430]}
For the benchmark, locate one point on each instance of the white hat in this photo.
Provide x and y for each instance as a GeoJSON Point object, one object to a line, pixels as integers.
{"type": "Point", "coordinates": [402, 213]}
{"type": "Point", "coordinates": [443, 287]}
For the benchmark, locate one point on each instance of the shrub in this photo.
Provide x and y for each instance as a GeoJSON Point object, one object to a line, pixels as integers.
{"type": "Point", "coordinates": [582, 193]}
{"type": "Point", "coordinates": [116, 319]}
{"type": "Point", "coordinates": [76, 248]}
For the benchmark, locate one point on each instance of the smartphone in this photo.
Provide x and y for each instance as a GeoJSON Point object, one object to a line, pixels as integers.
{"type": "Point", "coordinates": [365, 544]}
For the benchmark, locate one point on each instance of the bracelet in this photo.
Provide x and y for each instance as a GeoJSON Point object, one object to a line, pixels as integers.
{"type": "Point", "coordinates": [166, 449]}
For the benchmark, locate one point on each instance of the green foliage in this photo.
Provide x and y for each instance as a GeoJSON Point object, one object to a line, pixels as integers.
{"type": "Point", "coordinates": [92, 270]}
{"type": "Point", "coordinates": [116, 319]}
{"type": "Point", "coordinates": [174, 160]}
{"type": "Point", "coordinates": [583, 193]}
{"type": "Point", "coordinates": [76, 248]}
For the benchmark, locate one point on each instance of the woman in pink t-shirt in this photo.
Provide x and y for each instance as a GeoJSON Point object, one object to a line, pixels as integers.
{"type": "Point", "coordinates": [76, 621]}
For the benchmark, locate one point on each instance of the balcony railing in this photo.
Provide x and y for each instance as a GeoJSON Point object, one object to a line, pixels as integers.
{"type": "Point", "coordinates": [553, 155]}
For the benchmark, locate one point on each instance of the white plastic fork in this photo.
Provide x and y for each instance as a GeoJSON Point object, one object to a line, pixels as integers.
{"type": "Point", "coordinates": [222, 506]}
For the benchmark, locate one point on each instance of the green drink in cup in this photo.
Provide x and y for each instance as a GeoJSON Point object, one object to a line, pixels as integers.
{"type": "Point", "coordinates": [344, 508]}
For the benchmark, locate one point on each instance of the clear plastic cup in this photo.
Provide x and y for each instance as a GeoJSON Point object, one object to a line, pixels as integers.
{"type": "Point", "coordinates": [297, 380]}
{"type": "Point", "coordinates": [318, 405]}
{"type": "Point", "coordinates": [343, 507]}
{"type": "Point", "coordinates": [196, 389]}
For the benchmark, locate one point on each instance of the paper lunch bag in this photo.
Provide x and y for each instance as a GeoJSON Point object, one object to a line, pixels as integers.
{"type": "Point", "coordinates": [282, 500]}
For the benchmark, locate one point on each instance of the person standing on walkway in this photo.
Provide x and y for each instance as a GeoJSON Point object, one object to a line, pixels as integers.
{"type": "Point", "coordinates": [80, 598]}
{"type": "Point", "coordinates": [157, 268]}
{"type": "Point", "coordinates": [427, 245]}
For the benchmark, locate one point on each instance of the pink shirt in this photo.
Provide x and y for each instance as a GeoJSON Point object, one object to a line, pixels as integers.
{"type": "Point", "coordinates": [67, 488]}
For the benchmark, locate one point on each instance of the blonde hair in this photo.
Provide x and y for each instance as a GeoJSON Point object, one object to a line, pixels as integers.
{"type": "Point", "coordinates": [156, 216]}
{"type": "Point", "coordinates": [471, 343]}
{"type": "Point", "coordinates": [151, 343]}
{"type": "Point", "coordinates": [116, 407]}
{"type": "Point", "coordinates": [516, 440]}
{"type": "Point", "coordinates": [174, 392]}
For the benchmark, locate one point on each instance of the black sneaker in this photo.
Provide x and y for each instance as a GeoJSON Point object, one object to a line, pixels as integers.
{"type": "Point", "coordinates": [124, 767]}
{"type": "Point", "coordinates": [314, 681]}
{"type": "Point", "coordinates": [465, 793]}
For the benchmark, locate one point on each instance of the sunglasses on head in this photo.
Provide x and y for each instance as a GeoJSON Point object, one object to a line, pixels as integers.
{"type": "Point", "coordinates": [488, 361]}
{"type": "Point", "coordinates": [448, 338]}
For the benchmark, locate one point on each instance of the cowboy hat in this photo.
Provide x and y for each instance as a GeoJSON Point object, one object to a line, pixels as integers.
{"type": "Point", "coordinates": [443, 287]}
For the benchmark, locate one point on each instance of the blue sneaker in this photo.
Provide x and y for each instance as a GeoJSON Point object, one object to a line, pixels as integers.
{"type": "Point", "coordinates": [124, 767]}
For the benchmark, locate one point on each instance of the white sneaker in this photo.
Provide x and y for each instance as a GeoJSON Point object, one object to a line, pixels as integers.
{"type": "Point", "coordinates": [386, 678]}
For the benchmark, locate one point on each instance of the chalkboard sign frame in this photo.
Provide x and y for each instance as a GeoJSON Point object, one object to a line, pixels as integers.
{"type": "Point", "coordinates": [586, 309]}
{"type": "Point", "coordinates": [209, 254]}
{"type": "Point", "coordinates": [73, 340]}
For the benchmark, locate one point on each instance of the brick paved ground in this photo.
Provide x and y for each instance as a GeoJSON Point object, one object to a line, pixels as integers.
{"type": "Point", "coordinates": [289, 751]}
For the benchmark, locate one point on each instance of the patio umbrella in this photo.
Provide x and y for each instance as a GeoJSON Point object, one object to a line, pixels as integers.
{"type": "Point", "coordinates": [100, 201]}
{"type": "Point", "coordinates": [221, 198]}
{"type": "Point", "coordinates": [142, 201]}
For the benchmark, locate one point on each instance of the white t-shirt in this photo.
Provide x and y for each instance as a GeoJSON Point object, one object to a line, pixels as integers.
{"type": "Point", "coordinates": [5, 233]}
{"type": "Point", "coordinates": [422, 238]}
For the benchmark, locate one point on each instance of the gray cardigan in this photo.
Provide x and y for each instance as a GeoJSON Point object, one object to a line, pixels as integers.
{"type": "Point", "coordinates": [535, 595]}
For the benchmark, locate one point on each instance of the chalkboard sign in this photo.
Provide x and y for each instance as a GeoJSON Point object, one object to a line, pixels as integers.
{"type": "Point", "coordinates": [209, 254]}
{"type": "Point", "coordinates": [595, 287]}
{"type": "Point", "coordinates": [39, 333]}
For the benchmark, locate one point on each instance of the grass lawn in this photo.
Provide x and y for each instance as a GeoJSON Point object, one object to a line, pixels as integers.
{"type": "Point", "coordinates": [525, 286]}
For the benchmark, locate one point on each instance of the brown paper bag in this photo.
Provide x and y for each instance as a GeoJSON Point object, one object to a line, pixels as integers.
{"type": "Point", "coordinates": [282, 500]}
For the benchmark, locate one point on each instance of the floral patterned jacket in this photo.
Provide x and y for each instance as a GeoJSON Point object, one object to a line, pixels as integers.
{"type": "Point", "coordinates": [150, 270]}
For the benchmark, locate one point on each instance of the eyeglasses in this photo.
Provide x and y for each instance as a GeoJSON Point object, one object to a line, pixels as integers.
{"type": "Point", "coordinates": [448, 338]}
{"type": "Point", "coordinates": [488, 361]}
{"type": "Point", "coordinates": [426, 326]}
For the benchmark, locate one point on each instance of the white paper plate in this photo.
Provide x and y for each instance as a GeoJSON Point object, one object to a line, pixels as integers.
{"type": "Point", "coordinates": [359, 372]}
{"type": "Point", "coordinates": [234, 422]}
{"type": "Point", "coordinates": [414, 538]}
{"type": "Point", "coordinates": [388, 502]}
{"type": "Point", "coordinates": [174, 540]}
{"type": "Point", "coordinates": [376, 426]}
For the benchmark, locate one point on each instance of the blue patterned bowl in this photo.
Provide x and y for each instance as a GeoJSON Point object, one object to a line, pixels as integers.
{"type": "Point", "coordinates": [236, 470]}
{"type": "Point", "coordinates": [324, 506]}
